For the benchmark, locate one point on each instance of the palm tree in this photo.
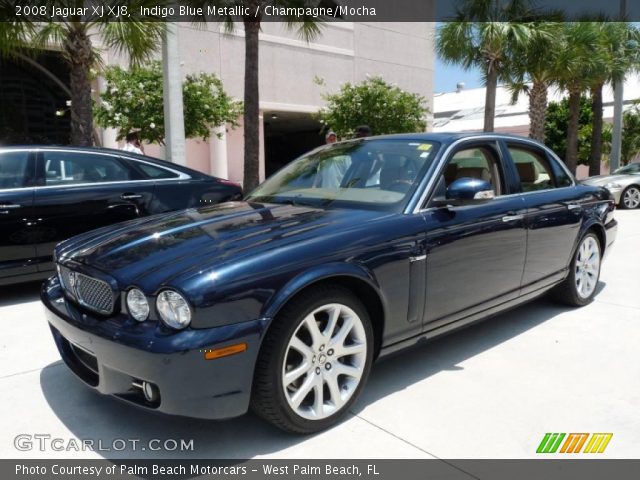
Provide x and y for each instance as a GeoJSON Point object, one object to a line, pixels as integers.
{"type": "Point", "coordinates": [574, 63]}
{"type": "Point", "coordinates": [136, 38]}
{"type": "Point", "coordinates": [308, 27]}
{"type": "Point", "coordinates": [484, 34]}
{"type": "Point", "coordinates": [531, 71]}
{"type": "Point", "coordinates": [617, 55]}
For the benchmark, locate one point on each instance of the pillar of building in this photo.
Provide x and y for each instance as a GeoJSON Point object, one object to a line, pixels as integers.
{"type": "Point", "coordinates": [218, 152]}
{"type": "Point", "coordinates": [172, 93]}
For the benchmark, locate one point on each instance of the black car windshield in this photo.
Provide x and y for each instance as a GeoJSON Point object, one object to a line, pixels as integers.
{"type": "Point", "coordinates": [380, 174]}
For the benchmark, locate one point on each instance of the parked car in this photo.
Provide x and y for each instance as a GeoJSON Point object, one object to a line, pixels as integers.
{"type": "Point", "coordinates": [624, 185]}
{"type": "Point", "coordinates": [283, 301]}
{"type": "Point", "coordinates": [49, 194]}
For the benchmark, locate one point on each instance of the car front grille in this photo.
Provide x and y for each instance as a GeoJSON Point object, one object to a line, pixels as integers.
{"type": "Point", "coordinates": [90, 292]}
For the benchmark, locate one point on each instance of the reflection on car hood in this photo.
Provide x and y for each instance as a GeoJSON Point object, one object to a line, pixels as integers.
{"type": "Point", "coordinates": [605, 179]}
{"type": "Point", "coordinates": [159, 248]}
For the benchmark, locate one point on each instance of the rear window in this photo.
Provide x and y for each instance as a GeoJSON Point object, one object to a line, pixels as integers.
{"type": "Point", "coordinates": [156, 172]}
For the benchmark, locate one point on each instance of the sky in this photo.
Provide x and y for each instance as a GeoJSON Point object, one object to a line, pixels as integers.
{"type": "Point", "coordinates": [447, 76]}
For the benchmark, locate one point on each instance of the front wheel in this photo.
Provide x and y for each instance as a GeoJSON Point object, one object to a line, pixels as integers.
{"type": "Point", "coordinates": [631, 197]}
{"type": "Point", "coordinates": [314, 361]}
{"type": "Point", "coordinates": [579, 287]}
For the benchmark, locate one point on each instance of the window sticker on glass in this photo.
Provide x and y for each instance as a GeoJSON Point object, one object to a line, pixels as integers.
{"type": "Point", "coordinates": [424, 147]}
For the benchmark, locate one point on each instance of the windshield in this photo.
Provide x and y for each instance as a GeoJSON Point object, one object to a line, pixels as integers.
{"type": "Point", "coordinates": [631, 168]}
{"type": "Point", "coordinates": [379, 174]}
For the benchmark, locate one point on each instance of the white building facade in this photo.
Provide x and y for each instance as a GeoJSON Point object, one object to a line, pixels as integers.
{"type": "Point", "coordinates": [290, 92]}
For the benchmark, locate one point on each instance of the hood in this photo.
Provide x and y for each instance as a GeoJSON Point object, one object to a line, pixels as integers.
{"type": "Point", "coordinates": [605, 179]}
{"type": "Point", "coordinates": [153, 250]}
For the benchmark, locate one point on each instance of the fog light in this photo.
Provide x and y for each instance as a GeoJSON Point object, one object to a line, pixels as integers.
{"type": "Point", "coordinates": [150, 392]}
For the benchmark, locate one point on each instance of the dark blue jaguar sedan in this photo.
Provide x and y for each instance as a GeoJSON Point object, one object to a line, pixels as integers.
{"type": "Point", "coordinates": [282, 302]}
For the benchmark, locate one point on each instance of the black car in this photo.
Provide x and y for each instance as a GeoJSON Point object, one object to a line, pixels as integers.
{"type": "Point", "coordinates": [49, 194]}
{"type": "Point", "coordinates": [355, 250]}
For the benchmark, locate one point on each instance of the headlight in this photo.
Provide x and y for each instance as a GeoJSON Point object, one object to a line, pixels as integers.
{"type": "Point", "coordinates": [612, 186]}
{"type": "Point", "coordinates": [174, 309]}
{"type": "Point", "coordinates": [137, 305]}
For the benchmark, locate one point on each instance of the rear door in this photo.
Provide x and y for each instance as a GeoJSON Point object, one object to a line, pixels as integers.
{"type": "Point", "coordinates": [85, 190]}
{"type": "Point", "coordinates": [17, 250]}
{"type": "Point", "coordinates": [474, 252]}
{"type": "Point", "coordinates": [554, 213]}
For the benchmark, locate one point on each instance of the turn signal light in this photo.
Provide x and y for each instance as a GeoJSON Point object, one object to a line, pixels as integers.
{"type": "Point", "coordinates": [224, 351]}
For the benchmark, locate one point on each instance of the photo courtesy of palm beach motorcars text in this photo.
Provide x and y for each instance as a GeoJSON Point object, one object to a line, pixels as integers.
{"type": "Point", "coordinates": [308, 239]}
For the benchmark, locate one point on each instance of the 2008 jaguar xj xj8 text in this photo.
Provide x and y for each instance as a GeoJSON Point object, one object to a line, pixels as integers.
{"type": "Point", "coordinates": [282, 302]}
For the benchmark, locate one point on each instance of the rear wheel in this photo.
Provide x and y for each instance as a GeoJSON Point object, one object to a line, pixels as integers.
{"type": "Point", "coordinates": [579, 287]}
{"type": "Point", "coordinates": [631, 197]}
{"type": "Point", "coordinates": [314, 361]}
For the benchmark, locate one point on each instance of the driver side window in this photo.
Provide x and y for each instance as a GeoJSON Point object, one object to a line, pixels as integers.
{"type": "Point", "coordinates": [476, 163]}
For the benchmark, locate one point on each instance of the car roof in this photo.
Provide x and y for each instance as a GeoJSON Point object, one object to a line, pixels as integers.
{"type": "Point", "coordinates": [447, 137]}
{"type": "Point", "coordinates": [114, 151]}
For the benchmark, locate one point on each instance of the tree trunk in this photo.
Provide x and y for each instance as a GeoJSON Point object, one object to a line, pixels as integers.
{"type": "Point", "coordinates": [251, 106]}
{"type": "Point", "coordinates": [537, 110]}
{"type": "Point", "coordinates": [596, 133]}
{"type": "Point", "coordinates": [490, 98]}
{"type": "Point", "coordinates": [79, 54]}
{"type": "Point", "coordinates": [571, 158]}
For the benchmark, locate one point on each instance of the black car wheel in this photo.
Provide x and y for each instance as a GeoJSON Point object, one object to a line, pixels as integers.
{"type": "Point", "coordinates": [314, 361]}
{"type": "Point", "coordinates": [631, 197]}
{"type": "Point", "coordinates": [579, 287]}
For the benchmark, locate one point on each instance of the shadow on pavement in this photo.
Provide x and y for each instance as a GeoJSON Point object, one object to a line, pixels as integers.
{"type": "Point", "coordinates": [21, 293]}
{"type": "Point", "coordinates": [89, 415]}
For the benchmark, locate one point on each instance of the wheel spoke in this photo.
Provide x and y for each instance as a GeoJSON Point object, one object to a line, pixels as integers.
{"type": "Point", "coordinates": [341, 336]}
{"type": "Point", "coordinates": [334, 391]}
{"type": "Point", "coordinates": [331, 324]}
{"type": "Point", "coordinates": [300, 394]}
{"type": "Point", "coordinates": [353, 349]}
{"type": "Point", "coordinates": [348, 370]}
{"type": "Point", "coordinates": [314, 331]}
{"type": "Point", "coordinates": [301, 347]}
{"type": "Point", "coordinates": [318, 402]}
{"type": "Point", "coordinates": [293, 375]}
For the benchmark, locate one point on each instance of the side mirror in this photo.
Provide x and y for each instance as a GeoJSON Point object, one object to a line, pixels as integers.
{"type": "Point", "coordinates": [469, 190]}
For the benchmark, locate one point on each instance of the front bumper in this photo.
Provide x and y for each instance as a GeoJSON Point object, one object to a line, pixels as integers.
{"type": "Point", "coordinates": [114, 357]}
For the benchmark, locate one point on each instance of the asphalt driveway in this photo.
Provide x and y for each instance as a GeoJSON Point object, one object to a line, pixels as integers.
{"type": "Point", "coordinates": [490, 391]}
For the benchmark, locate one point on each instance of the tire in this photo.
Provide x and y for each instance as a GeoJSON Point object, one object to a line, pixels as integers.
{"type": "Point", "coordinates": [580, 286]}
{"type": "Point", "coordinates": [327, 371]}
{"type": "Point", "coordinates": [630, 198]}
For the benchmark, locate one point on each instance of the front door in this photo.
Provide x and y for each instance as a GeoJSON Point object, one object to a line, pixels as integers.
{"type": "Point", "coordinates": [475, 251]}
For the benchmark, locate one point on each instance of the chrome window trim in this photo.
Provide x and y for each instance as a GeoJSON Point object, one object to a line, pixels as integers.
{"type": "Point", "coordinates": [423, 194]}
{"type": "Point", "coordinates": [181, 175]}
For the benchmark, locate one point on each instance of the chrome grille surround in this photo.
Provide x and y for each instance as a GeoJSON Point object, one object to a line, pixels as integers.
{"type": "Point", "coordinates": [90, 292]}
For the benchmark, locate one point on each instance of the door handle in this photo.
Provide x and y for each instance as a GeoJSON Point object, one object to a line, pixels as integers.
{"type": "Point", "coordinates": [4, 209]}
{"type": "Point", "coordinates": [512, 218]}
{"type": "Point", "coordinates": [130, 196]}
{"type": "Point", "coordinates": [574, 206]}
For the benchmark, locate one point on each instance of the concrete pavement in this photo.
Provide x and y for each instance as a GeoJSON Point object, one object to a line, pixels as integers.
{"type": "Point", "coordinates": [490, 391]}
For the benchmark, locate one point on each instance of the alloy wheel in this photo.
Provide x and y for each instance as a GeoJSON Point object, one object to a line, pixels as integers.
{"type": "Point", "coordinates": [587, 267]}
{"type": "Point", "coordinates": [631, 197]}
{"type": "Point", "coordinates": [324, 361]}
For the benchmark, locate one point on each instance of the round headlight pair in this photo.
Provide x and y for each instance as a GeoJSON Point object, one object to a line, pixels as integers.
{"type": "Point", "coordinates": [172, 307]}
